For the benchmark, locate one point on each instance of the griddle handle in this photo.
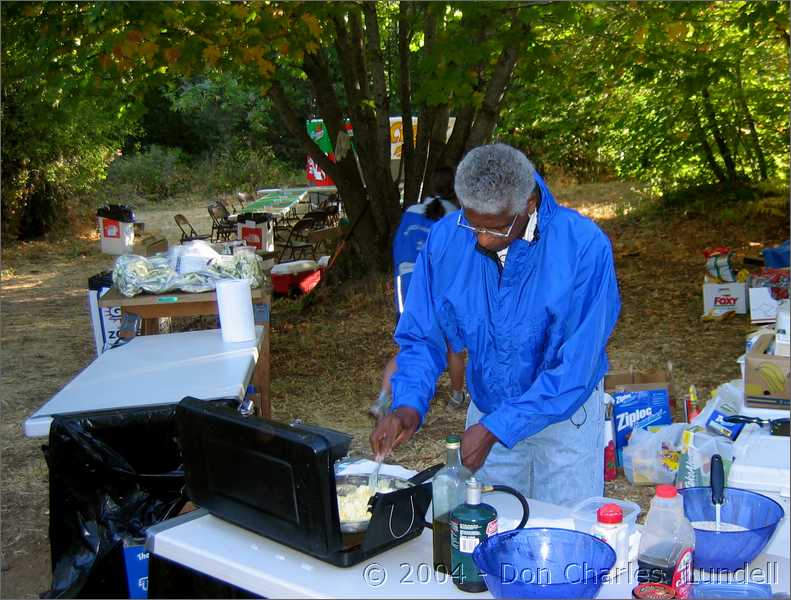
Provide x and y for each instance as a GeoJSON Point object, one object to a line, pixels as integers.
{"type": "Point", "coordinates": [717, 480]}
{"type": "Point", "coordinates": [425, 474]}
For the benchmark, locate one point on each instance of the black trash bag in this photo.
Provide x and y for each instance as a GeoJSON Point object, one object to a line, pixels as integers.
{"type": "Point", "coordinates": [255, 217]}
{"type": "Point", "coordinates": [118, 212]}
{"type": "Point", "coordinates": [112, 474]}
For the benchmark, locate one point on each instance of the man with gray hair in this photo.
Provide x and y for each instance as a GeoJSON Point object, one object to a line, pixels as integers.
{"type": "Point", "coordinates": [528, 288]}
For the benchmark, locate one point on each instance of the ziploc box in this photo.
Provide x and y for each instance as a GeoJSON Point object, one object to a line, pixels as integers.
{"type": "Point", "coordinates": [642, 399]}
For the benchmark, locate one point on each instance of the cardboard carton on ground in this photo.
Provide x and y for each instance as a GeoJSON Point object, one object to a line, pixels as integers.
{"type": "Point", "coordinates": [763, 308]}
{"type": "Point", "coordinates": [719, 298]}
{"type": "Point", "coordinates": [767, 376]}
{"type": "Point", "coordinates": [642, 398]}
{"type": "Point", "coordinates": [149, 244]}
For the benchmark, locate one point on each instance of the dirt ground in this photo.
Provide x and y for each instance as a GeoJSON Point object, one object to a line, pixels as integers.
{"type": "Point", "coordinates": [327, 359]}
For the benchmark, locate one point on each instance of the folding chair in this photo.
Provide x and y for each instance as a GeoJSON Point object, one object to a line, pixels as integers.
{"type": "Point", "coordinates": [298, 242]}
{"type": "Point", "coordinates": [221, 227]}
{"type": "Point", "coordinates": [188, 232]}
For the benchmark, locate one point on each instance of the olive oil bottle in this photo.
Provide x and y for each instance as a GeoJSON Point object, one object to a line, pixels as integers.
{"type": "Point", "coordinates": [470, 524]}
{"type": "Point", "coordinates": [447, 492]}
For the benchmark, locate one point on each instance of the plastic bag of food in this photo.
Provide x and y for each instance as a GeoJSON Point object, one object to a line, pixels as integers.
{"type": "Point", "coordinates": [719, 264]}
{"type": "Point", "coordinates": [652, 455]}
{"type": "Point", "coordinates": [135, 274]}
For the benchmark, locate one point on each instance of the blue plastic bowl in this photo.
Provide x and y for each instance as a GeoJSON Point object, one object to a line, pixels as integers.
{"type": "Point", "coordinates": [544, 563]}
{"type": "Point", "coordinates": [730, 550]}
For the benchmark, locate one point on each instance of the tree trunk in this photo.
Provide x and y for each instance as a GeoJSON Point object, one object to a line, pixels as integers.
{"type": "Point", "coordinates": [742, 99]}
{"type": "Point", "coordinates": [428, 114]}
{"type": "Point", "coordinates": [704, 144]}
{"type": "Point", "coordinates": [454, 149]}
{"type": "Point", "coordinates": [344, 174]}
{"type": "Point", "coordinates": [411, 184]}
{"type": "Point", "coordinates": [725, 152]}
{"type": "Point", "coordinates": [383, 190]}
{"type": "Point", "coordinates": [436, 150]}
{"type": "Point", "coordinates": [486, 118]}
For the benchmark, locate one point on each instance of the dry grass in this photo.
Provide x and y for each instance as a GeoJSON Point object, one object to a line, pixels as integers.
{"type": "Point", "coordinates": [327, 359]}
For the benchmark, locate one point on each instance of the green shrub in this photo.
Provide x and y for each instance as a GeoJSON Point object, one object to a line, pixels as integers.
{"type": "Point", "coordinates": [154, 173]}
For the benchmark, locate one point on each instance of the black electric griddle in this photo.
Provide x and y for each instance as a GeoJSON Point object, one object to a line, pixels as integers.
{"type": "Point", "coordinates": [278, 480]}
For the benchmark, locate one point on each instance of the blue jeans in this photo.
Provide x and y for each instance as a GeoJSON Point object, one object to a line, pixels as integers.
{"type": "Point", "coordinates": [561, 464]}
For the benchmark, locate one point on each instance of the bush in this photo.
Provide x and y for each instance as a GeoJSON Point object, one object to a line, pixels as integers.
{"type": "Point", "coordinates": [155, 172]}
{"type": "Point", "coordinates": [159, 172]}
{"type": "Point", "coordinates": [243, 169]}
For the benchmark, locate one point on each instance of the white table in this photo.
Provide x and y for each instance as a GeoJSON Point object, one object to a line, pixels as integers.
{"type": "Point", "coordinates": [246, 560]}
{"type": "Point", "coordinates": [152, 370]}
{"type": "Point", "coordinates": [208, 545]}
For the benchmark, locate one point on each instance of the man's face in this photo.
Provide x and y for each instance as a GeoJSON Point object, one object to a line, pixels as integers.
{"type": "Point", "coordinates": [499, 223]}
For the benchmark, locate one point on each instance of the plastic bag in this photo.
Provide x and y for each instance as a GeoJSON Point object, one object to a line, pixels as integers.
{"type": "Point", "coordinates": [727, 400]}
{"type": "Point", "coordinates": [776, 280]}
{"type": "Point", "coordinates": [698, 446]}
{"type": "Point", "coordinates": [157, 274]}
{"type": "Point", "coordinates": [112, 474]}
{"type": "Point", "coordinates": [719, 264]}
{"type": "Point", "coordinates": [652, 455]}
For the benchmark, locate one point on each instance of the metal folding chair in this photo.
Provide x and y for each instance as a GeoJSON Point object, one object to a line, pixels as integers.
{"type": "Point", "coordinates": [221, 227]}
{"type": "Point", "coordinates": [188, 232]}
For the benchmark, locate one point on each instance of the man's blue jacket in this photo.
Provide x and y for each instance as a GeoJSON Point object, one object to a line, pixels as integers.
{"type": "Point", "coordinates": [535, 331]}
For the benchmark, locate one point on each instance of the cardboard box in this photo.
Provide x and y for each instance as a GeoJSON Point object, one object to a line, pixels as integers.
{"type": "Point", "coordinates": [150, 244]}
{"type": "Point", "coordinates": [642, 398]}
{"type": "Point", "coordinates": [719, 298]}
{"type": "Point", "coordinates": [763, 308]}
{"type": "Point", "coordinates": [766, 377]}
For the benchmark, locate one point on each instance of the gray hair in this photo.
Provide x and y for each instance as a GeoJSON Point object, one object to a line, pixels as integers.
{"type": "Point", "coordinates": [494, 179]}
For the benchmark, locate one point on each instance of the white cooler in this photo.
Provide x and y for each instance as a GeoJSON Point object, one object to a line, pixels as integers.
{"type": "Point", "coordinates": [761, 464]}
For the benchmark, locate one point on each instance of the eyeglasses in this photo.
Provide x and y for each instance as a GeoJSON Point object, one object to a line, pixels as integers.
{"type": "Point", "coordinates": [483, 230]}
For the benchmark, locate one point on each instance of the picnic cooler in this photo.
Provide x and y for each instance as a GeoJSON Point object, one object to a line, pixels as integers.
{"type": "Point", "coordinates": [116, 224]}
{"type": "Point", "coordinates": [295, 277]}
{"type": "Point", "coordinates": [112, 474]}
{"type": "Point", "coordinates": [278, 481]}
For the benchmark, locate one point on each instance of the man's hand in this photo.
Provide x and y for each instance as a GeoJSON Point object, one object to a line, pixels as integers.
{"type": "Point", "coordinates": [393, 430]}
{"type": "Point", "coordinates": [476, 443]}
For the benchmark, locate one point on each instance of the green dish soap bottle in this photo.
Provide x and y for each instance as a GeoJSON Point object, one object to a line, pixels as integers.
{"type": "Point", "coordinates": [470, 524]}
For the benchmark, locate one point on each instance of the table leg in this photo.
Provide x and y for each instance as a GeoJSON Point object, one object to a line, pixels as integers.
{"type": "Point", "coordinates": [149, 327]}
{"type": "Point", "coordinates": [261, 376]}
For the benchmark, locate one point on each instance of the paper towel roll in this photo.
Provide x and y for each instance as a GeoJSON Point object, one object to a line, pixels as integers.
{"type": "Point", "coordinates": [236, 310]}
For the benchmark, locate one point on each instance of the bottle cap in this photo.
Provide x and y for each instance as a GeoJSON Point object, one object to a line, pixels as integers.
{"type": "Point", "coordinates": [610, 514]}
{"type": "Point", "coordinates": [653, 591]}
{"type": "Point", "coordinates": [453, 441]}
{"type": "Point", "coordinates": [666, 491]}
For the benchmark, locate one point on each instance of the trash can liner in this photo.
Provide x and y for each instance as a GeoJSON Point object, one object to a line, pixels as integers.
{"type": "Point", "coordinates": [117, 212]}
{"type": "Point", "coordinates": [112, 474]}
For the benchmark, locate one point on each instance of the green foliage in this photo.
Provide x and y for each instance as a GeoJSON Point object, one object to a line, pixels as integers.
{"type": "Point", "coordinates": [55, 146]}
{"type": "Point", "coordinates": [644, 88]}
{"type": "Point", "coordinates": [156, 172]}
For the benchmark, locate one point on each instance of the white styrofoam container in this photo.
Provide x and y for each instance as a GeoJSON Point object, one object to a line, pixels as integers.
{"type": "Point", "coordinates": [761, 464]}
{"type": "Point", "coordinates": [116, 237]}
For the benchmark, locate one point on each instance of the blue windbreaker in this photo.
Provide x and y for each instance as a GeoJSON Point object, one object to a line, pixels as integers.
{"type": "Point", "coordinates": [409, 239]}
{"type": "Point", "coordinates": [535, 333]}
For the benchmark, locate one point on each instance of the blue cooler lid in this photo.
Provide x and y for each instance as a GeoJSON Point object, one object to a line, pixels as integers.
{"type": "Point", "coordinates": [731, 590]}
